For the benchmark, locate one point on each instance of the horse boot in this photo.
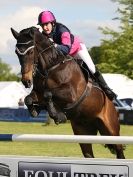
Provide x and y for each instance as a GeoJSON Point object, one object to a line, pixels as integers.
{"type": "Point", "coordinates": [58, 116]}
{"type": "Point", "coordinates": [102, 83]}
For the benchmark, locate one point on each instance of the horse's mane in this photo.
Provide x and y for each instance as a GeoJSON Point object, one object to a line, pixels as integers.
{"type": "Point", "coordinates": [28, 30]}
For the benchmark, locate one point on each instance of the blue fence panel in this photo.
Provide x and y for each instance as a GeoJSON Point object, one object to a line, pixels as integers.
{"type": "Point", "coordinates": [21, 115]}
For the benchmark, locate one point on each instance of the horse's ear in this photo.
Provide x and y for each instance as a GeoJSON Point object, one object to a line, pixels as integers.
{"type": "Point", "coordinates": [15, 33]}
{"type": "Point", "coordinates": [32, 31]}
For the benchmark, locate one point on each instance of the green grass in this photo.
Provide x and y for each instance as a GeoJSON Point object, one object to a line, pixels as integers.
{"type": "Point", "coordinates": [52, 149]}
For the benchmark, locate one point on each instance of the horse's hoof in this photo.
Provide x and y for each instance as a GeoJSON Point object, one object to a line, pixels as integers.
{"type": "Point", "coordinates": [34, 113]}
{"type": "Point", "coordinates": [64, 120]}
{"type": "Point", "coordinates": [56, 122]}
{"type": "Point", "coordinates": [28, 100]}
{"type": "Point", "coordinates": [61, 119]}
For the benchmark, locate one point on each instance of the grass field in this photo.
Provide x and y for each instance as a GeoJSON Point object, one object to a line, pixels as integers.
{"type": "Point", "coordinates": [52, 149]}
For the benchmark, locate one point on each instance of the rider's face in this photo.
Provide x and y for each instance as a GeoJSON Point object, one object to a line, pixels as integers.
{"type": "Point", "coordinates": [47, 27]}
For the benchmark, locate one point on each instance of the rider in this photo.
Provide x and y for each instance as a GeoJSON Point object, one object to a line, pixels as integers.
{"type": "Point", "coordinates": [67, 43]}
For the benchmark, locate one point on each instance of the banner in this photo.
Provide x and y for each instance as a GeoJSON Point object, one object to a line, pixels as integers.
{"type": "Point", "coordinates": [64, 167]}
{"type": "Point", "coordinates": [21, 115]}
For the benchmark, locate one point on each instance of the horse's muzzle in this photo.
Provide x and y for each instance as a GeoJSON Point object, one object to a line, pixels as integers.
{"type": "Point", "coordinates": [27, 83]}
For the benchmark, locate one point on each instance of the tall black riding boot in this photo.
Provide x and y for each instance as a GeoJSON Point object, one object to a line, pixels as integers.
{"type": "Point", "coordinates": [102, 83]}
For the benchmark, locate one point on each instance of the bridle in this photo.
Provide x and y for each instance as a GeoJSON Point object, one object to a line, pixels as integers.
{"type": "Point", "coordinates": [38, 55]}
{"type": "Point", "coordinates": [29, 48]}
{"type": "Point", "coordinates": [24, 43]}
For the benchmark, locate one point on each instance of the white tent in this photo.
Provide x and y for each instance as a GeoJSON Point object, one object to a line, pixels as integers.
{"type": "Point", "coordinates": [10, 93]}
{"type": "Point", "coordinates": [121, 85]}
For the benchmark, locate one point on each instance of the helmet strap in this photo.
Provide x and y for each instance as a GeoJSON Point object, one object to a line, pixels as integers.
{"type": "Point", "coordinates": [53, 26]}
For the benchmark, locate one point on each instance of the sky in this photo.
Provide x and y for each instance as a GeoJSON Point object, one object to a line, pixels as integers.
{"type": "Point", "coordinates": [82, 17]}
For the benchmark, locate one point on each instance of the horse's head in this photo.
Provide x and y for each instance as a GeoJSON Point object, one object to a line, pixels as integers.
{"type": "Point", "coordinates": [35, 52]}
{"type": "Point", "coordinates": [28, 48]}
{"type": "Point", "coordinates": [25, 50]}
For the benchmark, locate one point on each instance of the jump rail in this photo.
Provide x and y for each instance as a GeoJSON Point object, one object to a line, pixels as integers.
{"type": "Point", "coordinates": [67, 138]}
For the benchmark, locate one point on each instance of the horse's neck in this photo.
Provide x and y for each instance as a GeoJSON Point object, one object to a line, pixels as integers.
{"type": "Point", "coordinates": [48, 55]}
{"type": "Point", "coordinates": [51, 58]}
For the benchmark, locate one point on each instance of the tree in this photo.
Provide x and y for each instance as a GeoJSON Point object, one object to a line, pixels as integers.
{"type": "Point", "coordinates": [126, 12]}
{"type": "Point", "coordinates": [5, 72]}
{"type": "Point", "coordinates": [95, 52]}
{"type": "Point", "coordinates": [117, 50]}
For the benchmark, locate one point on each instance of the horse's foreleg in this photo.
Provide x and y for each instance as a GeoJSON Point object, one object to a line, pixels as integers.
{"type": "Point", "coordinates": [34, 110]}
{"type": "Point", "coordinates": [58, 116]}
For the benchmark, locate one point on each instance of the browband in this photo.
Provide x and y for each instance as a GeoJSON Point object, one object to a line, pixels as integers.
{"type": "Point", "coordinates": [23, 53]}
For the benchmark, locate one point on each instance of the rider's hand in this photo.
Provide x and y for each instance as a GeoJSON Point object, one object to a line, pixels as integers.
{"type": "Point", "coordinates": [51, 40]}
{"type": "Point", "coordinates": [55, 44]}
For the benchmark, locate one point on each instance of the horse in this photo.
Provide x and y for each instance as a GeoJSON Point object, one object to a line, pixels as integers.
{"type": "Point", "coordinates": [59, 86]}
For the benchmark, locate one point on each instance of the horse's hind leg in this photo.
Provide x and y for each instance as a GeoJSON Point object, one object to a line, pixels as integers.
{"type": "Point", "coordinates": [80, 129]}
{"type": "Point", "coordinates": [111, 129]}
{"type": "Point", "coordinates": [119, 151]}
{"type": "Point", "coordinates": [87, 150]}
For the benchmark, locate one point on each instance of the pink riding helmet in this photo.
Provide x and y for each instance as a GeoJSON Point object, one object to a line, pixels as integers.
{"type": "Point", "coordinates": [45, 17]}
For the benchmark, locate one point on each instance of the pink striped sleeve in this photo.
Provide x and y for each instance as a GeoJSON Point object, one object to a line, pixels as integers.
{"type": "Point", "coordinates": [65, 38]}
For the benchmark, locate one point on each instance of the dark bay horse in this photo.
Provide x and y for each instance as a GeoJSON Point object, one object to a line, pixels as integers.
{"type": "Point", "coordinates": [60, 87]}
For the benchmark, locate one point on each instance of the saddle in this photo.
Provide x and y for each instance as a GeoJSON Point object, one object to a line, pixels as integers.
{"type": "Point", "coordinates": [89, 77]}
{"type": "Point", "coordinates": [86, 72]}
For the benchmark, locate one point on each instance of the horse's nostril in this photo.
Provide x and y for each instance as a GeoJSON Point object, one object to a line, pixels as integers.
{"type": "Point", "coordinates": [23, 82]}
{"type": "Point", "coordinates": [27, 83]}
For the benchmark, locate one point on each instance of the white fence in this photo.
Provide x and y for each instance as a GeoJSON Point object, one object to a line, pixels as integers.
{"type": "Point", "coordinates": [19, 166]}
{"type": "Point", "coordinates": [68, 138]}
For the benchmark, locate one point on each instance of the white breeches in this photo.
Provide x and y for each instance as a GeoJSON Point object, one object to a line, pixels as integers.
{"type": "Point", "coordinates": [85, 56]}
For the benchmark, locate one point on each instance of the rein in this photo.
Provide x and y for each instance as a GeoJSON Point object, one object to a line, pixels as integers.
{"type": "Point", "coordinates": [45, 74]}
{"type": "Point", "coordinates": [46, 49]}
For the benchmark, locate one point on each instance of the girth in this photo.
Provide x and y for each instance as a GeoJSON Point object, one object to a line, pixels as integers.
{"type": "Point", "coordinates": [79, 101]}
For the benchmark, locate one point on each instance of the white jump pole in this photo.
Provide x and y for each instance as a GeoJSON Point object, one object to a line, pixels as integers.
{"type": "Point", "coordinates": [67, 138]}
